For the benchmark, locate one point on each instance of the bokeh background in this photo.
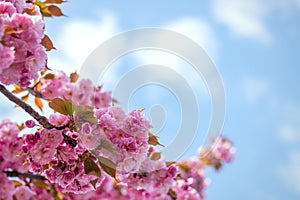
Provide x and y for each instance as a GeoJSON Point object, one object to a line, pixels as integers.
{"type": "Point", "coordinates": [256, 47]}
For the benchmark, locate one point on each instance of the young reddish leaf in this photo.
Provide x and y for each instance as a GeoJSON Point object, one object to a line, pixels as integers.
{"type": "Point", "coordinates": [38, 102]}
{"type": "Point", "coordinates": [9, 30]}
{"type": "Point", "coordinates": [44, 70]}
{"type": "Point", "coordinates": [152, 140]}
{"type": "Point", "coordinates": [54, 1]}
{"type": "Point", "coordinates": [21, 126]}
{"type": "Point", "coordinates": [73, 77]}
{"type": "Point", "coordinates": [61, 106]}
{"type": "Point", "coordinates": [49, 76]}
{"type": "Point", "coordinates": [91, 168]}
{"type": "Point", "coordinates": [55, 11]}
{"type": "Point", "coordinates": [29, 11]}
{"type": "Point", "coordinates": [114, 100]}
{"type": "Point", "coordinates": [108, 166]}
{"type": "Point", "coordinates": [170, 163]}
{"type": "Point", "coordinates": [218, 165]}
{"type": "Point", "coordinates": [38, 86]}
{"type": "Point", "coordinates": [40, 184]}
{"type": "Point", "coordinates": [172, 194]}
{"type": "Point", "coordinates": [47, 43]}
{"type": "Point", "coordinates": [25, 98]}
{"type": "Point", "coordinates": [17, 183]}
{"type": "Point", "coordinates": [43, 8]}
{"type": "Point", "coordinates": [142, 110]}
{"type": "Point", "coordinates": [17, 89]}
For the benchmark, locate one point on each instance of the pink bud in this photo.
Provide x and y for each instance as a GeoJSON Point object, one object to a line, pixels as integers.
{"type": "Point", "coordinates": [30, 123]}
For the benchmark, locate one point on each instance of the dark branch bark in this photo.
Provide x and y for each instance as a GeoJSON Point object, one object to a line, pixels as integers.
{"type": "Point", "coordinates": [41, 119]}
{"type": "Point", "coordinates": [33, 92]}
{"type": "Point", "coordinates": [23, 175]}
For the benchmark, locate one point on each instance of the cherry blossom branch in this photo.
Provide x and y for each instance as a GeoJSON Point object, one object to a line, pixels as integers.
{"type": "Point", "coordinates": [23, 175]}
{"type": "Point", "coordinates": [41, 119]}
{"type": "Point", "coordinates": [34, 92]}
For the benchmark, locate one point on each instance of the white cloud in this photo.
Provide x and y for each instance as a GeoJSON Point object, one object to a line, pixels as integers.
{"type": "Point", "coordinates": [290, 172]}
{"type": "Point", "coordinates": [289, 129]}
{"type": "Point", "coordinates": [199, 31]}
{"type": "Point", "coordinates": [79, 38]}
{"type": "Point", "coordinates": [244, 18]}
{"type": "Point", "coordinates": [297, 3]}
{"type": "Point", "coordinates": [289, 132]}
{"type": "Point", "coordinates": [255, 88]}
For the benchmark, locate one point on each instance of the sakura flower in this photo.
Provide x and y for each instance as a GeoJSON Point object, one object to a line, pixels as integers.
{"type": "Point", "coordinates": [23, 193]}
{"type": "Point", "coordinates": [58, 119]}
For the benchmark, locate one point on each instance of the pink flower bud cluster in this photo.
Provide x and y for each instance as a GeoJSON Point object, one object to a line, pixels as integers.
{"type": "Point", "coordinates": [81, 93]}
{"type": "Point", "coordinates": [121, 138]}
{"type": "Point", "coordinates": [10, 147]}
{"type": "Point", "coordinates": [127, 138]}
{"type": "Point", "coordinates": [12, 159]}
{"type": "Point", "coordinates": [223, 150]}
{"type": "Point", "coordinates": [49, 154]}
{"type": "Point", "coordinates": [191, 182]}
{"type": "Point", "coordinates": [64, 167]}
{"type": "Point", "coordinates": [21, 54]}
{"type": "Point", "coordinates": [94, 150]}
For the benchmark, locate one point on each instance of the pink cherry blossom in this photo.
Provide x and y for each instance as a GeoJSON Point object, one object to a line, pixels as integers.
{"type": "Point", "coordinates": [58, 119]}
{"type": "Point", "coordinates": [22, 55]}
{"type": "Point", "coordinates": [30, 123]}
{"type": "Point", "coordinates": [23, 193]}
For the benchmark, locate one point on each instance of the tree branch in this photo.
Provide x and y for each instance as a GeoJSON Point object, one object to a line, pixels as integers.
{"type": "Point", "coordinates": [41, 119]}
{"type": "Point", "coordinates": [23, 175]}
{"type": "Point", "coordinates": [33, 92]}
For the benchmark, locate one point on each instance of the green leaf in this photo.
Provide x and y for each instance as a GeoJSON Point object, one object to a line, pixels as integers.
{"type": "Point", "coordinates": [64, 107]}
{"type": "Point", "coordinates": [43, 8]}
{"type": "Point", "coordinates": [108, 146]}
{"type": "Point", "coordinates": [155, 156]}
{"type": "Point", "coordinates": [49, 76]}
{"type": "Point", "coordinates": [94, 182]}
{"type": "Point", "coordinates": [108, 166]}
{"type": "Point", "coordinates": [91, 168]}
{"type": "Point", "coordinates": [86, 113]}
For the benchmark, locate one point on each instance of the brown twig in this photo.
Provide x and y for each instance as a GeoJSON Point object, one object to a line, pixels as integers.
{"type": "Point", "coordinates": [34, 92]}
{"type": "Point", "coordinates": [41, 119]}
{"type": "Point", "coordinates": [23, 175]}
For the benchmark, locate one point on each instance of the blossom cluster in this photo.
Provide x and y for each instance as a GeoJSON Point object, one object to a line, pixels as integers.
{"type": "Point", "coordinates": [22, 55]}
{"type": "Point", "coordinates": [97, 150]}
{"type": "Point", "coordinates": [87, 148]}
{"type": "Point", "coordinates": [82, 93]}
{"type": "Point", "coordinates": [47, 153]}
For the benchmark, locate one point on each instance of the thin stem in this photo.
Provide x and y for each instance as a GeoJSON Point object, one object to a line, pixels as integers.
{"type": "Point", "coordinates": [33, 92]}
{"type": "Point", "coordinates": [23, 175]}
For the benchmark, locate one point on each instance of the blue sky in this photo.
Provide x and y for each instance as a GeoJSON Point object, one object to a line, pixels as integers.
{"type": "Point", "coordinates": [256, 47]}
